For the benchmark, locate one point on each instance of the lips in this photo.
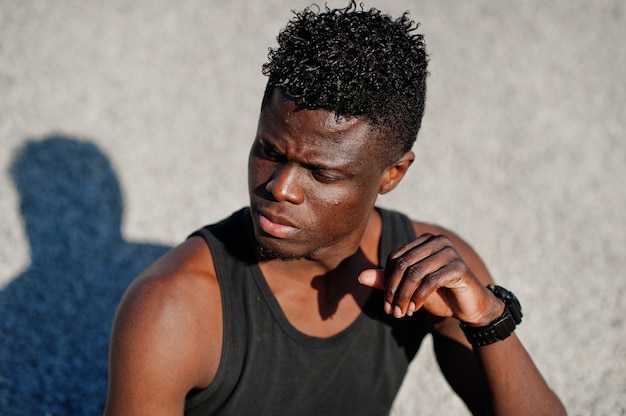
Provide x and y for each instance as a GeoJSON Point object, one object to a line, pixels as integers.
{"type": "Point", "coordinates": [275, 226]}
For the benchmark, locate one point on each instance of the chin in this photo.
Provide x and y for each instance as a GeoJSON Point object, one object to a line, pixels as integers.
{"type": "Point", "coordinates": [268, 252]}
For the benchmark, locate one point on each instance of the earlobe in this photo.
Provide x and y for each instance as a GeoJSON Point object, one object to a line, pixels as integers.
{"type": "Point", "coordinates": [393, 174]}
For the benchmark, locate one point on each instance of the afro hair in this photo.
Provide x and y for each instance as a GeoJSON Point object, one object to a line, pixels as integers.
{"type": "Point", "coordinates": [354, 62]}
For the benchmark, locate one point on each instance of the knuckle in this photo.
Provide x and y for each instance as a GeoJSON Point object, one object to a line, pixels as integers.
{"type": "Point", "coordinates": [402, 263]}
{"type": "Point", "coordinates": [398, 253]}
{"type": "Point", "coordinates": [393, 255]}
{"type": "Point", "coordinates": [431, 279]}
{"type": "Point", "coordinates": [442, 239]}
{"type": "Point", "coordinates": [449, 252]}
{"type": "Point", "coordinates": [399, 263]}
{"type": "Point", "coordinates": [414, 273]}
{"type": "Point", "coordinates": [459, 266]}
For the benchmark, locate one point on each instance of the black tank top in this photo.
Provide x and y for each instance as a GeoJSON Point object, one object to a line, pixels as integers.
{"type": "Point", "coordinates": [268, 367]}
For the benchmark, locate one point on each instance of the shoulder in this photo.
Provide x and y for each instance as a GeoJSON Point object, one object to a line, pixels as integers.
{"type": "Point", "coordinates": [166, 338]}
{"type": "Point", "coordinates": [178, 295]}
{"type": "Point", "coordinates": [183, 281]}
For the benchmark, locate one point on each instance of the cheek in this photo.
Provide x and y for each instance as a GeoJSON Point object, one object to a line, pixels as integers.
{"type": "Point", "coordinates": [347, 205]}
{"type": "Point", "coordinates": [259, 172]}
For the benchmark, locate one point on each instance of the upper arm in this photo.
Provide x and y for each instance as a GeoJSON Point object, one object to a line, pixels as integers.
{"type": "Point", "coordinates": [498, 378]}
{"type": "Point", "coordinates": [166, 337]}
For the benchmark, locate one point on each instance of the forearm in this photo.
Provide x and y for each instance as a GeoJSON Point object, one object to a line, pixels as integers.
{"type": "Point", "coordinates": [516, 386]}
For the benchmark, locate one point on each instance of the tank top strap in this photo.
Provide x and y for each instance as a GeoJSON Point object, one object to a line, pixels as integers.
{"type": "Point", "coordinates": [397, 231]}
{"type": "Point", "coordinates": [232, 264]}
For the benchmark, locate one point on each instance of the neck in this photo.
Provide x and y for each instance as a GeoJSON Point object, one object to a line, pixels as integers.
{"type": "Point", "coordinates": [332, 273]}
{"type": "Point", "coordinates": [330, 261]}
{"type": "Point", "coordinates": [328, 285]}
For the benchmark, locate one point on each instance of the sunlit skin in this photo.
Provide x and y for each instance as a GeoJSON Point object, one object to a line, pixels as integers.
{"type": "Point", "coordinates": [313, 181]}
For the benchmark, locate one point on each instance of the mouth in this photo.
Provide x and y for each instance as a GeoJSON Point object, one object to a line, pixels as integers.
{"type": "Point", "coordinates": [275, 226]}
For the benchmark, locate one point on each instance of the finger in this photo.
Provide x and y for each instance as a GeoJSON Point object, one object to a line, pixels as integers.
{"type": "Point", "coordinates": [412, 258]}
{"type": "Point", "coordinates": [400, 251]}
{"type": "Point", "coordinates": [445, 277]}
{"type": "Point", "coordinates": [458, 292]}
{"type": "Point", "coordinates": [397, 261]}
{"type": "Point", "coordinates": [376, 277]}
{"type": "Point", "coordinates": [421, 280]}
{"type": "Point", "coordinates": [373, 278]}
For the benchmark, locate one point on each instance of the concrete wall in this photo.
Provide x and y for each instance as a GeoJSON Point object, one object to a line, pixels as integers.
{"type": "Point", "coordinates": [522, 153]}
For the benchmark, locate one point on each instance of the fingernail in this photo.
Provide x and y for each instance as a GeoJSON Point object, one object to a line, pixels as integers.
{"type": "Point", "coordinates": [388, 308]}
{"type": "Point", "coordinates": [411, 309]}
{"type": "Point", "coordinates": [397, 312]}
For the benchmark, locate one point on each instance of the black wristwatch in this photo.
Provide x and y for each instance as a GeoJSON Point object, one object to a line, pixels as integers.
{"type": "Point", "coordinates": [500, 328]}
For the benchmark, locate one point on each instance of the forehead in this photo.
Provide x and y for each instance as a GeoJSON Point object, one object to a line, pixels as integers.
{"type": "Point", "coordinates": [318, 131]}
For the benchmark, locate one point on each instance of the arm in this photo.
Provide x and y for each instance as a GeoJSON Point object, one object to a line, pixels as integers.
{"type": "Point", "coordinates": [442, 274]}
{"type": "Point", "coordinates": [159, 349]}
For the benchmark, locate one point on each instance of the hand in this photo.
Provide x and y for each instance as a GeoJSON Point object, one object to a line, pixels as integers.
{"type": "Point", "coordinates": [430, 273]}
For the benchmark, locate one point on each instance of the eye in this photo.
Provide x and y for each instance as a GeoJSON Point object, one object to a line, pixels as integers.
{"type": "Point", "coordinates": [269, 152]}
{"type": "Point", "coordinates": [324, 176]}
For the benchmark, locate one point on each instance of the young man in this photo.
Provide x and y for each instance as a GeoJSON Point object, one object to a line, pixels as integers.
{"type": "Point", "coordinates": [312, 300]}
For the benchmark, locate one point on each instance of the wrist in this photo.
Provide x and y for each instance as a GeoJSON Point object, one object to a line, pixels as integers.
{"type": "Point", "coordinates": [499, 328]}
{"type": "Point", "coordinates": [495, 309]}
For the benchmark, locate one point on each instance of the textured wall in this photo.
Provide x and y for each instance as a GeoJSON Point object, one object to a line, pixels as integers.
{"type": "Point", "coordinates": [125, 125]}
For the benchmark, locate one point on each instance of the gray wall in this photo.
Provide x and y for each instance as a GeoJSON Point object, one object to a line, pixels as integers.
{"type": "Point", "coordinates": [521, 152]}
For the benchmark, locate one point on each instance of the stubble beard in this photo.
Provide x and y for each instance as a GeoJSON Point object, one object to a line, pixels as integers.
{"type": "Point", "coordinates": [267, 253]}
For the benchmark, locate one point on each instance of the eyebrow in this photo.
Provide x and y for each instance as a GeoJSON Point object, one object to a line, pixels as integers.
{"type": "Point", "coordinates": [267, 141]}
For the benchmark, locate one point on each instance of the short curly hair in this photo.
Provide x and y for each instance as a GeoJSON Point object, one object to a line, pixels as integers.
{"type": "Point", "coordinates": [354, 62]}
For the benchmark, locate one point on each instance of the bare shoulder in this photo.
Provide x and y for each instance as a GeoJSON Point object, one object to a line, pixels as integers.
{"type": "Point", "coordinates": [167, 334]}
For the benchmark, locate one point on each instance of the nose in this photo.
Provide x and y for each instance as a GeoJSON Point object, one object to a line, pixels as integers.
{"type": "Point", "coordinates": [284, 184]}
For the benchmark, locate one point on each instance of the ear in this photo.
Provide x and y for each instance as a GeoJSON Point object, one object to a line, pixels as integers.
{"type": "Point", "coordinates": [393, 174]}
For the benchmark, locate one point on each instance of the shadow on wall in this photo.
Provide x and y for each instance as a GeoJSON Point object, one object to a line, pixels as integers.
{"type": "Point", "coordinates": [56, 316]}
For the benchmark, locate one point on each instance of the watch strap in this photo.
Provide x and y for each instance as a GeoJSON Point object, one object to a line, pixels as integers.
{"type": "Point", "coordinates": [500, 328]}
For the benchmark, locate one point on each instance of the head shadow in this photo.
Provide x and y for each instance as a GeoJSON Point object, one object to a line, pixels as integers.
{"type": "Point", "coordinates": [57, 314]}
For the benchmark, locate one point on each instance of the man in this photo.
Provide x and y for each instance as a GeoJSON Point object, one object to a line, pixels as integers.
{"type": "Point", "coordinates": [312, 300]}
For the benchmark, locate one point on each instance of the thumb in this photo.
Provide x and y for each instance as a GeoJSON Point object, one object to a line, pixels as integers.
{"type": "Point", "coordinates": [373, 278]}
